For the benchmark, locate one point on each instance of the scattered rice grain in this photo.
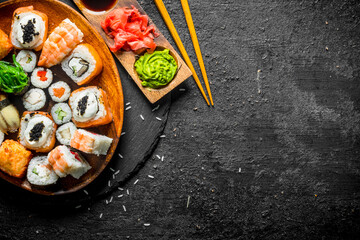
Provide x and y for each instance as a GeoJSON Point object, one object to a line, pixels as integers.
{"type": "Point", "coordinates": [156, 108]}
{"type": "Point", "coordinates": [86, 192]}
{"type": "Point", "coordinates": [162, 158]}
{"type": "Point", "coordinates": [127, 192]}
{"type": "Point", "coordinates": [158, 118]}
{"type": "Point", "coordinates": [121, 156]}
{"type": "Point", "coordinates": [182, 89]}
{"type": "Point", "coordinates": [121, 189]}
{"type": "Point", "coordinates": [188, 202]}
{"type": "Point", "coordinates": [136, 181]}
{"type": "Point", "coordinates": [128, 103]}
{"type": "Point", "coordinates": [100, 215]}
{"type": "Point", "coordinates": [162, 136]}
{"type": "Point", "coordinates": [117, 172]}
{"type": "Point", "coordinates": [124, 208]}
{"type": "Point", "coordinates": [123, 133]}
{"type": "Point", "coordinates": [142, 117]}
{"type": "Point", "coordinates": [158, 156]}
{"type": "Point", "coordinates": [109, 183]}
{"type": "Point", "coordinates": [112, 169]}
{"type": "Point", "coordinates": [111, 199]}
{"type": "Point", "coordinates": [121, 195]}
{"type": "Point", "coordinates": [129, 107]}
{"type": "Point", "coordinates": [239, 169]}
{"type": "Point", "coordinates": [146, 224]}
{"type": "Point", "coordinates": [150, 176]}
{"type": "Point", "coordinates": [78, 206]}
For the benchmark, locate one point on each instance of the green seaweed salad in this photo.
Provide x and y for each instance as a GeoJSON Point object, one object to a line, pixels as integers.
{"type": "Point", "coordinates": [13, 79]}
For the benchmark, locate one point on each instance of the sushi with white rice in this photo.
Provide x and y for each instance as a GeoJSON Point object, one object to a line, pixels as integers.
{"type": "Point", "coordinates": [89, 142]}
{"type": "Point", "coordinates": [27, 60]}
{"type": "Point", "coordinates": [66, 162]}
{"type": "Point", "coordinates": [37, 131]}
{"type": "Point", "coordinates": [40, 172]}
{"type": "Point", "coordinates": [41, 77]}
{"type": "Point", "coordinates": [59, 91]}
{"type": "Point", "coordinates": [29, 28]}
{"type": "Point", "coordinates": [65, 132]}
{"type": "Point", "coordinates": [83, 64]}
{"type": "Point", "coordinates": [34, 99]}
{"type": "Point", "coordinates": [61, 113]}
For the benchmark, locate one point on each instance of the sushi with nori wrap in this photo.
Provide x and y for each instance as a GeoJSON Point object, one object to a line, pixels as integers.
{"type": "Point", "coordinates": [9, 115]}
{"type": "Point", "coordinates": [59, 91]}
{"type": "Point", "coordinates": [41, 77]}
{"type": "Point", "coordinates": [40, 172]}
{"type": "Point", "coordinates": [65, 132]}
{"type": "Point", "coordinates": [27, 60]}
{"type": "Point", "coordinates": [83, 64]}
{"type": "Point", "coordinates": [61, 113]}
{"type": "Point", "coordinates": [34, 99]}
{"type": "Point", "coordinates": [37, 131]}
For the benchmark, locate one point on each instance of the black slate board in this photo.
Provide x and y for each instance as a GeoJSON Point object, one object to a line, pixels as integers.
{"type": "Point", "coordinates": [135, 147]}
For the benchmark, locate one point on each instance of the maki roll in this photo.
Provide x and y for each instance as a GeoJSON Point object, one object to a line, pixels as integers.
{"type": "Point", "coordinates": [27, 59]}
{"type": "Point", "coordinates": [83, 64]}
{"type": "Point", "coordinates": [29, 28]}
{"type": "Point", "coordinates": [66, 162]}
{"type": "Point", "coordinates": [65, 132]}
{"type": "Point", "coordinates": [61, 113]}
{"type": "Point", "coordinates": [59, 91]}
{"type": "Point", "coordinates": [34, 99]}
{"type": "Point", "coordinates": [37, 131]}
{"type": "Point", "coordinates": [89, 142]}
{"type": "Point", "coordinates": [41, 77]}
{"type": "Point", "coordinates": [90, 107]}
{"type": "Point", "coordinates": [40, 172]}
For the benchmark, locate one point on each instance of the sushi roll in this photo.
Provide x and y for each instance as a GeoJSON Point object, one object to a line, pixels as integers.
{"type": "Point", "coordinates": [27, 60]}
{"type": "Point", "coordinates": [89, 142]}
{"type": "Point", "coordinates": [29, 28]}
{"type": "Point", "coordinates": [90, 107]}
{"type": "Point", "coordinates": [34, 99]}
{"type": "Point", "coordinates": [61, 113]}
{"type": "Point", "coordinates": [40, 172]}
{"type": "Point", "coordinates": [60, 43]}
{"type": "Point", "coordinates": [59, 91]}
{"type": "Point", "coordinates": [66, 162]}
{"type": "Point", "coordinates": [65, 132]}
{"type": "Point", "coordinates": [41, 77]}
{"type": "Point", "coordinates": [83, 64]}
{"type": "Point", "coordinates": [9, 116]}
{"type": "Point", "coordinates": [37, 131]}
{"type": "Point", "coordinates": [5, 45]}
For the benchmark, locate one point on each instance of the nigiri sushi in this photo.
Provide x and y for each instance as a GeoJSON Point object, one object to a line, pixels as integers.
{"type": "Point", "coordinates": [83, 64]}
{"type": "Point", "coordinates": [5, 45]}
{"type": "Point", "coordinates": [37, 131]}
{"type": "Point", "coordinates": [60, 43]}
{"type": "Point", "coordinates": [29, 28]}
{"type": "Point", "coordinates": [89, 142]}
{"type": "Point", "coordinates": [90, 107]}
{"type": "Point", "coordinates": [64, 162]}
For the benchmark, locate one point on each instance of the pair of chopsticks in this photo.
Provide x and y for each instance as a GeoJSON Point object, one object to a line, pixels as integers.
{"type": "Point", "coordinates": [164, 13]}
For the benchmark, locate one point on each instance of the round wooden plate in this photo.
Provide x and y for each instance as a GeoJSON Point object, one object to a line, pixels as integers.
{"type": "Point", "coordinates": [108, 79]}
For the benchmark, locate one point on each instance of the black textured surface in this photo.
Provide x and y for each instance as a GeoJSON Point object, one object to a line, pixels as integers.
{"type": "Point", "coordinates": [285, 81]}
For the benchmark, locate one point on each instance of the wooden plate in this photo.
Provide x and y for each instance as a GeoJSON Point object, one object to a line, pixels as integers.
{"type": "Point", "coordinates": [128, 58]}
{"type": "Point", "coordinates": [109, 80]}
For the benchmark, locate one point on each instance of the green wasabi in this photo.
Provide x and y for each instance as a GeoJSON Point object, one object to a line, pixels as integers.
{"type": "Point", "coordinates": [156, 69]}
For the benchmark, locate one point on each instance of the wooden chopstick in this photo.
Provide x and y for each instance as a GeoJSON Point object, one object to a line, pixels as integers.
{"type": "Point", "coordinates": [164, 13]}
{"type": "Point", "coordinates": [190, 23]}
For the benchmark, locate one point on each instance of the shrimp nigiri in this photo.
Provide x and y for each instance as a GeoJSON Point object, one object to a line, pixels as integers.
{"type": "Point", "coordinates": [60, 43]}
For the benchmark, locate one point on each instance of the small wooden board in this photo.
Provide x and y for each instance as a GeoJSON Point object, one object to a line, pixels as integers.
{"type": "Point", "coordinates": [128, 58]}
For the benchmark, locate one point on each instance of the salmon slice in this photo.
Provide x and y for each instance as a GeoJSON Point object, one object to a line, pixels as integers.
{"type": "Point", "coordinates": [60, 43]}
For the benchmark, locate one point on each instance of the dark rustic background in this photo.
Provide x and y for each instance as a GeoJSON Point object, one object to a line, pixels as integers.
{"type": "Point", "coordinates": [278, 156]}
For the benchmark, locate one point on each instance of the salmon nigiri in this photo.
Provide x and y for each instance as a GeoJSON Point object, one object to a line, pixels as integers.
{"type": "Point", "coordinates": [60, 43]}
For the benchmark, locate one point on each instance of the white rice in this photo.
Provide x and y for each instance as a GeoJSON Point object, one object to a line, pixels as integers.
{"type": "Point", "coordinates": [65, 132]}
{"type": "Point", "coordinates": [61, 113]}
{"type": "Point", "coordinates": [34, 99]}
{"type": "Point", "coordinates": [35, 79]}
{"type": "Point", "coordinates": [66, 94]}
{"type": "Point", "coordinates": [81, 51]}
{"type": "Point", "coordinates": [40, 173]}
{"type": "Point", "coordinates": [27, 59]}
